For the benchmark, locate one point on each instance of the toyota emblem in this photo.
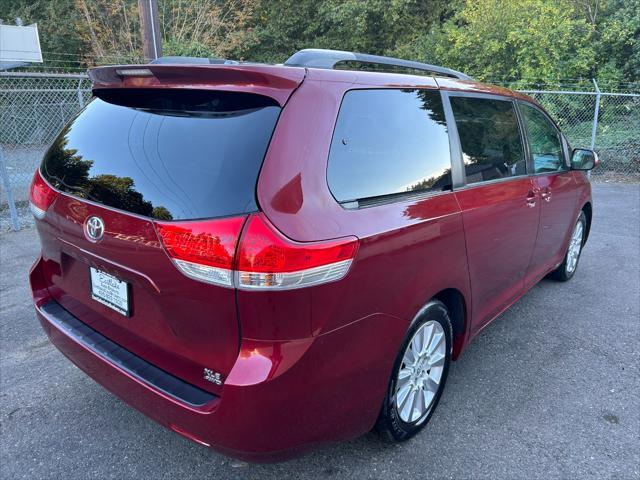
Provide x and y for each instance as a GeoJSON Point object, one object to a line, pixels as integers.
{"type": "Point", "coordinates": [94, 228]}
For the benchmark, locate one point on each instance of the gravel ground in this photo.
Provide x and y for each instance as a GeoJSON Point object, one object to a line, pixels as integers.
{"type": "Point", "coordinates": [550, 390]}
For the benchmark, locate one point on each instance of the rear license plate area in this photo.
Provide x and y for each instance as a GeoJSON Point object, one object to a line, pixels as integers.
{"type": "Point", "coordinates": [110, 291]}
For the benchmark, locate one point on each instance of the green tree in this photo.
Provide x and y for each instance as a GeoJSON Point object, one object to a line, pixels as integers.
{"type": "Point", "coordinates": [205, 28]}
{"type": "Point", "coordinates": [616, 41]}
{"type": "Point", "coordinates": [56, 27]}
{"type": "Point", "coordinates": [524, 40]}
{"type": "Point", "coordinates": [161, 213]}
{"type": "Point", "coordinates": [63, 165]}
{"type": "Point", "coordinates": [118, 192]}
{"type": "Point", "coordinates": [376, 26]}
{"type": "Point", "coordinates": [517, 41]}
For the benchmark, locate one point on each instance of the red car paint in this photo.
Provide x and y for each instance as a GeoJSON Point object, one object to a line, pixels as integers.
{"type": "Point", "coordinates": [309, 365]}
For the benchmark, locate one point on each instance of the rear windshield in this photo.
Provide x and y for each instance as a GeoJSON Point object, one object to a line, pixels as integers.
{"type": "Point", "coordinates": [164, 154]}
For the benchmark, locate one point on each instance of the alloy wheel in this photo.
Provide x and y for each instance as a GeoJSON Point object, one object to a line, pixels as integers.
{"type": "Point", "coordinates": [421, 372]}
{"type": "Point", "coordinates": [574, 247]}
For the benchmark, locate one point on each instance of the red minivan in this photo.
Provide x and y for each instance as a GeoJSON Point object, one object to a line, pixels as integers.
{"type": "Point", "coordinates": [267, 257]}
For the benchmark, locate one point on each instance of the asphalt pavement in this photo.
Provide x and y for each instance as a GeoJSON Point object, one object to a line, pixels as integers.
{"type": "Point", "coordinates": [550, 390]}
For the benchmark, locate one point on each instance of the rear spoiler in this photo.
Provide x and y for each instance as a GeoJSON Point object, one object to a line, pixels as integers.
{"type": "Point", "coordinates": [277, 82]}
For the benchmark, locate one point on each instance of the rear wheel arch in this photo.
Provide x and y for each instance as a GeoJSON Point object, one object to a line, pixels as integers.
{"type": "Point", "coordinates": [390, 423]}
{"type": "Point", "coordinates": [455, 302]}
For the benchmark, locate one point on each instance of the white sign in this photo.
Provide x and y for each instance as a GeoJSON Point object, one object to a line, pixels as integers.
{"type": "Point", "coordinates": [19, 45]}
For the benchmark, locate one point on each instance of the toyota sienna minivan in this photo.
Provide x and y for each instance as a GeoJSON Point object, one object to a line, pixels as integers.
{"type": "Point", "coordinates": [263, 258]}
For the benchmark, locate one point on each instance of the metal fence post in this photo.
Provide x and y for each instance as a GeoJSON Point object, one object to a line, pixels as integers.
{"type": "Point", "coordinates": [15, 224]}
{"type": "Point", "coordinates": [79, 93]}
{"type": "Point", "coordinates": [596, 113]}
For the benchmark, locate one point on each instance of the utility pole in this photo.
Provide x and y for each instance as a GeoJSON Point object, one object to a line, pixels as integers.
{"type": "Point", "coordinates": [150, 29]}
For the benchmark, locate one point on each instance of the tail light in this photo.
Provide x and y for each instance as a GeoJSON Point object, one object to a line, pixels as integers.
{"type": "Point", "coordinates": [41, 196]}
{"type": "Point", "coordinates": [203, 250]}
{"type": "Point", "coordinates": [264, 259]}
{"type": "Point", "coordinates": [267, 260]}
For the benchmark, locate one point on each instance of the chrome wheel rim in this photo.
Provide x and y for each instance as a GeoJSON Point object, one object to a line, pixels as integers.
{"type": "Point", "coordinates": [420, 373]}
{"type": "Point", "coordinates": [574, 247]}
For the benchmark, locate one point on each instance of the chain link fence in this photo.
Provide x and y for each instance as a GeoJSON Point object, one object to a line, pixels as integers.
{"type": "Point", "coordinates": [33, 109]}
{"type": "Point", "coordinates": [606, 122]}
{"type": "Point", "coordinates": [35, 106]}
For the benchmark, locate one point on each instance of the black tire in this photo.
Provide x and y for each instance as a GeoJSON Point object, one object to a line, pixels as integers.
{"type": "Point", "coordinates": [389, 424]}
{"type": "Point", "coordinates": [562, 273]}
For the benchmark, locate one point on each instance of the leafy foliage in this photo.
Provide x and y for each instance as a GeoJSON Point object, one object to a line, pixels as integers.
{"type": "Point", "coordinates": [530, 40]}
{"type": "Point", "coordinates": [517, 41]}
{"type": "Point", "coordinates": [205, 28]}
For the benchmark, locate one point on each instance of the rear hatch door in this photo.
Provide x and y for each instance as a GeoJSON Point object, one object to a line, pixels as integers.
{"type": "Point", "coordinates": [142, 155]}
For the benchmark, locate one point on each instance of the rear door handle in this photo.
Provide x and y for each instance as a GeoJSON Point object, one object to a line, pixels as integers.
{"type": "Point", "coordinates": [531, 199]}
{"type": "Point", "coordinates": [546, 194]}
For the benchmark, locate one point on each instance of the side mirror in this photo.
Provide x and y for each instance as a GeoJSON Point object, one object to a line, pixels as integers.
{"type": "Point", "coordinates": [584, 159]}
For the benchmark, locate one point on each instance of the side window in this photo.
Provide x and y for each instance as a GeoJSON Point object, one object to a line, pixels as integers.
{"type": "Point", "coordinates": [489, 138]}
{"type": "Point", "coordinates": [389, 142]}
{"type": "Point", "coordinates": [544, 141]}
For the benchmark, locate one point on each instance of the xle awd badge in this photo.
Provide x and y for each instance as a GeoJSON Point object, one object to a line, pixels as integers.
{"type": "Point", "coordinates": [213, 377]}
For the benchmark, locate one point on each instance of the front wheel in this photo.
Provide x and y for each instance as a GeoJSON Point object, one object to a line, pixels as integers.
{"type": "Point", "coordinates": [418, 376]}
{"type": "Point", "coordinates": [570, 263]}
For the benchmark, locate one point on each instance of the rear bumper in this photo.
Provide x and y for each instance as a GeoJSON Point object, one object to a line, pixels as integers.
{"type": "Point", "coordinates": [279, 399]}
{"type": "Point", "coordinates": [127, 362]}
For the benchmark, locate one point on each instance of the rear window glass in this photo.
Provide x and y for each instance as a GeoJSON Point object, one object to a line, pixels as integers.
{"type": "Point", "coordinates": [389, 142]}
{"type": "Point", "coordinates": [489, 137]}
{"type": "Point", "coordinates": [165, 154]}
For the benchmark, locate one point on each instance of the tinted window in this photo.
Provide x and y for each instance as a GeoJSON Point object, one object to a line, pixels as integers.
{"type": "Point", "coordinates": [489, 137]}
{"type": "Point", "coordinates": [165, 154]}
{"type": "Point", "coordinates": [544, 141]}
{"type": "Point", "coordinates": [389, 142]}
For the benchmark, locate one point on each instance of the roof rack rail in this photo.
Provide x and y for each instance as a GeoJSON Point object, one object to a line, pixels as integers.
{"type": "Point", "coordinates": [320, 58]}
{"type": "Point", "coordinates": [192, 60]}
